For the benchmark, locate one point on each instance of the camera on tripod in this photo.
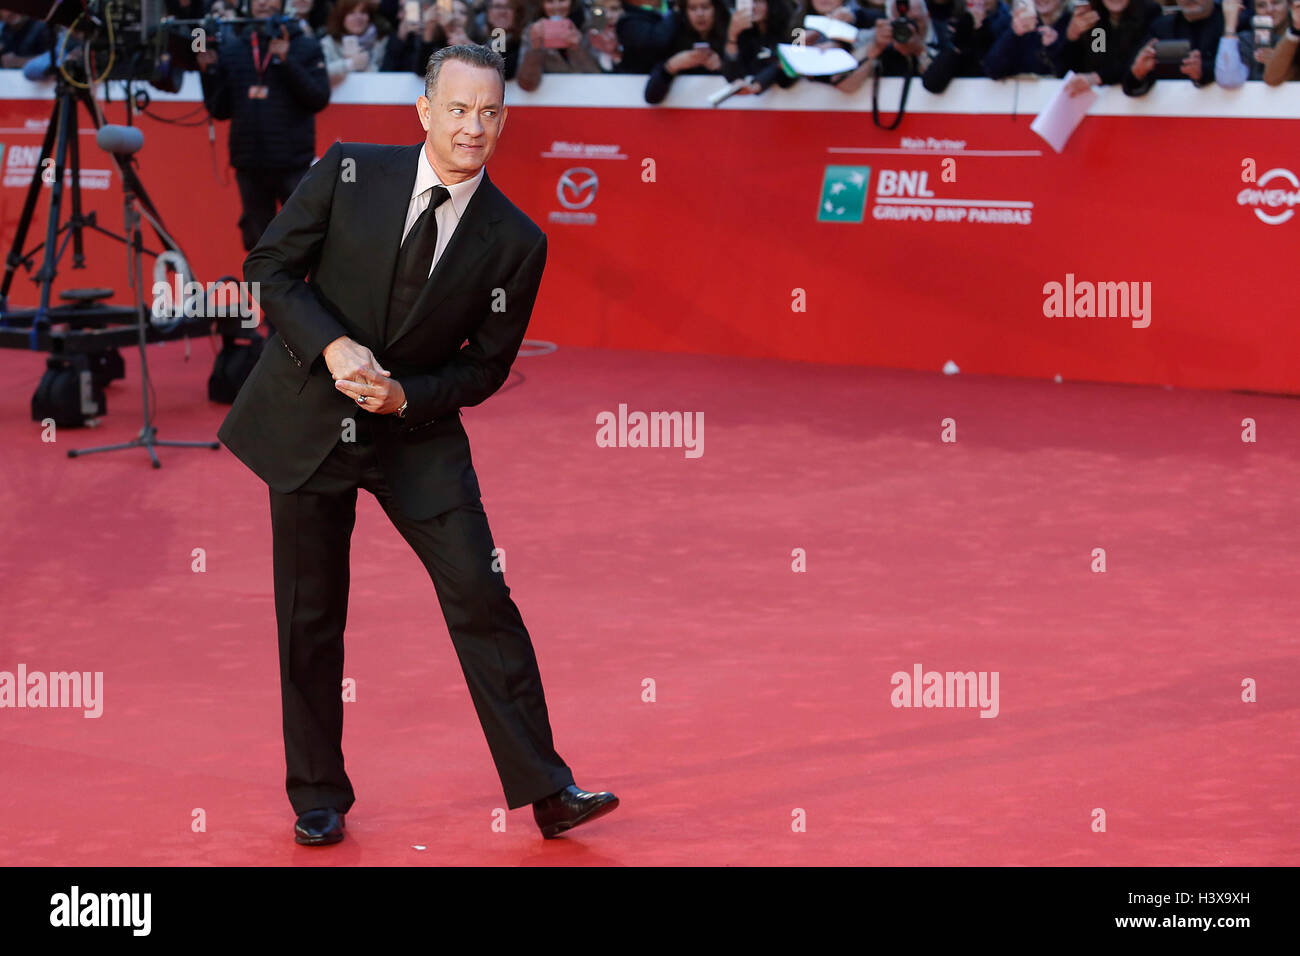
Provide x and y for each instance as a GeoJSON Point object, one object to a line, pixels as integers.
{"type": "Point", "coordinates": [117, 40]}
{"type": "Point", "coordinates": [128, 42]}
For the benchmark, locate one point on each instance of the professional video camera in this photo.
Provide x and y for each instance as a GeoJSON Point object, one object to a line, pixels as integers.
{"type": "Point", "coordinates": [114, 40]}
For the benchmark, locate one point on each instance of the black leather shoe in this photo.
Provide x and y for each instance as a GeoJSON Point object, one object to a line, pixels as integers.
{"type": "Point", "coordinates": [319, 827]}
{"type": "Point", "coordinates": [565, 809]}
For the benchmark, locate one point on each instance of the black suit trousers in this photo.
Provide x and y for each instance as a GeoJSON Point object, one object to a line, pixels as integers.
{"type": "Point", "coordinates": [312, 532]}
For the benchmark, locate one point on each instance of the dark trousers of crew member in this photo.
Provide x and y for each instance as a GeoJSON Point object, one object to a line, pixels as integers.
{"type": "Point", "coordinates": [312, 531]}
{"type": "Point", "coordinates": [260, 190]}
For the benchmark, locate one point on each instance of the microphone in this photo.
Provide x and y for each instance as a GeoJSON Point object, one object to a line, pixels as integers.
{"type": "Point", "coordinates": [121, 140]}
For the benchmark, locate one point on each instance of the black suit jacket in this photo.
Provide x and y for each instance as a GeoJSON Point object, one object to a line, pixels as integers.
{"type": "Point", "coordinates": [341, 231]}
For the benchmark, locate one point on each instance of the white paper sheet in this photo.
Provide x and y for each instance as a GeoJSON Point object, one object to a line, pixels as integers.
{"type": "Point", "coordinates": [810, 61]}
{"type": "Point", "coordinates": [831, 28]}
{"type": "Point", "coordinates": [1060, 117]}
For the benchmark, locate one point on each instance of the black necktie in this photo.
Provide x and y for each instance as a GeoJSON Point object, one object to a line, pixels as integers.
{"type": "Point", "coordinates": [414, 261]}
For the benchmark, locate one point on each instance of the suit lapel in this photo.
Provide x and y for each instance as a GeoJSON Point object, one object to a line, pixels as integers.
{"type": "Point", "coordinates": [467, 245]}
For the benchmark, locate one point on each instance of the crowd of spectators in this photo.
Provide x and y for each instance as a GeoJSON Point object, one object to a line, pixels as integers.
{"type": "Point", "coordinates": [1127, 43]}
{"type": "Point", "coordinates": [270, 79]}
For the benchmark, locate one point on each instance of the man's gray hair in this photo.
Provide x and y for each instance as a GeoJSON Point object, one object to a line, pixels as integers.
{"type": "Point", "coordinates": [470, 53]}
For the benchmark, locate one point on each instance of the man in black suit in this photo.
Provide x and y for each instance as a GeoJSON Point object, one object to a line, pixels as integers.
{"type": "Point", "coordinates": [421, 278]}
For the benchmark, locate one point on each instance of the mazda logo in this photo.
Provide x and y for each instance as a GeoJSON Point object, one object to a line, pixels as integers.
{"type": "Point", "coordinates": [576, 188]}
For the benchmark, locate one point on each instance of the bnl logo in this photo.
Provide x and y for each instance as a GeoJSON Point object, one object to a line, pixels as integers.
{"type": "Point", "coordinates": [844, 193]}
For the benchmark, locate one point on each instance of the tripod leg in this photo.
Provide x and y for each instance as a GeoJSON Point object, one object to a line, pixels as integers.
{"type": "Point", "coordinates": [29, 210]}
{"type": "Point", "coordinates": [67, 117]}
{"type": "Point", "coordinates": [74, 156]}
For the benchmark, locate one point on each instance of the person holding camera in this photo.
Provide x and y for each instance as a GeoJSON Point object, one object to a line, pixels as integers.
{"type": "Point", "coordinates": [964, 37]}
{"type": "Point", "coordinates": [1035, 42]}
{"type": "Point", "coordinates": [1185, 43]}
{"type": "Point", "coordinates": [555, 43]}
{"type": "Point", "coordinates": [697, 45]}
{"type": "Point", "coordinates": [418, 34]}
{"type": "Point", "coordinates": [354, 40]}
{"type": "Point", "coordinates": [270, 81]}
{"type": "Point", "coordinates": [603, 34]}
{"type": "Point", "coordinates": [1123, 26]}
{"type": "Point", "coordinates": [904, 45]}
{"type": "Point", "coordinates": [1281, 63]}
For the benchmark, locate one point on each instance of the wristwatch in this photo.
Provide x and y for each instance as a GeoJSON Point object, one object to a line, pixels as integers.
{"type": "Point", "coordinates": [401, 412]}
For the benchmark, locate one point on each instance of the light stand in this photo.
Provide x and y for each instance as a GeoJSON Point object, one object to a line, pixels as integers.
{"type": "Point", "coordinates": [122, 141]}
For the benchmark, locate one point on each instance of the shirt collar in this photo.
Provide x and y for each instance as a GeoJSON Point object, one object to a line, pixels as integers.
{"type": "Point", "coordinates": [460, 192]}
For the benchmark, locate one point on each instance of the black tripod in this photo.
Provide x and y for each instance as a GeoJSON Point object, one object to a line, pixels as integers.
{"type": "Point", "coordinates": [148, 437]}
{"type": "Point", "coordinates": [61, 147]}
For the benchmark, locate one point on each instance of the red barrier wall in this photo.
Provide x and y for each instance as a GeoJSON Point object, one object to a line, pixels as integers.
{"type": "Point", "coordinates": [711, 254]}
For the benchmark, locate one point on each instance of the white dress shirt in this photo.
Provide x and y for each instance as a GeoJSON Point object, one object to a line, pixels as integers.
{"type": "Point", "coordinates": [448, 214]}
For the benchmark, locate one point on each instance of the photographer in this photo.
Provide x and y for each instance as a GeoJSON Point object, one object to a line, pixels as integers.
{"type": "Point", "coordinates": [964, 37]}
{"type": "Point", "coordinates": [1280, 60]}
{"type": "Point", "coordinates": [269, 81]}
{"type": "Point", "coordinates": [697, 46]}
{"type": "Point", "coordinates": [1035, 42]}
{"type": "Point", "coordinates": [1124, 25]}
{"type": "Point", "coordinates": [555, 43]}
{"type": "Point", "coordinates": [1200, 23]}
{"type": "Point", "coordinates": [894, 54]}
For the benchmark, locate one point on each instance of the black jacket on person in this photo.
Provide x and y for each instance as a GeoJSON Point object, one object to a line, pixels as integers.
{"type": "Point", "coordinates": [344, 241]}
{"type": "Point", "coordinates": [1120, 45]}
{"type": "Point", "coordinates": [646, 35]}
{"type": "Point", "coordinates": [962, 48]}
{"type": "Point", "coordinates": [756, 56]}
{"type": "Point", "coordinates": [278, 132]}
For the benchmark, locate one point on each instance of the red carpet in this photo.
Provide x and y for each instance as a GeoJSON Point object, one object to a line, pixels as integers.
{"type": "Point", "coordinates": [1120, 691]}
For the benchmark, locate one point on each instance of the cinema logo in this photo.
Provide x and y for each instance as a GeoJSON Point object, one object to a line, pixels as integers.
{"type": "Point", "coordinates": [947, 689]}
{"type": "Point", "coordinates": [75, 908]}
{"type": "Point", "coordinates": [1272, 205]}
{"type": "Point", "coordinates": [1101, 300]}
{"type": "Point", "coordinates": [683, 430]}
{"type": "Point", "coordinates": [82, 689]}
